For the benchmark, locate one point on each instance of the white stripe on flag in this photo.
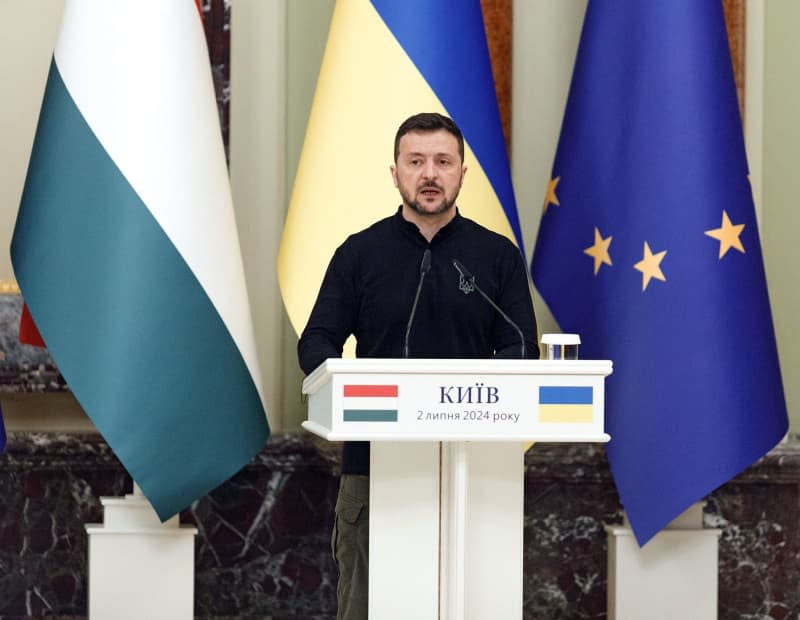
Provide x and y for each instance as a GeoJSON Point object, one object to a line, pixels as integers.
{"type": "Point", "coordinates": [105, 55]}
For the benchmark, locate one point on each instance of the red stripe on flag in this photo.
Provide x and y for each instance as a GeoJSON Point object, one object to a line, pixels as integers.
{"type": "Point", "coordinates": [371, 390]}
{"type": "Point", "coordinates": [28, 332]}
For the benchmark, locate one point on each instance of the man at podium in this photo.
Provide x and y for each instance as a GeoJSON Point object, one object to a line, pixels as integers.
{"type": "Point", "coordinates": [408, 286]}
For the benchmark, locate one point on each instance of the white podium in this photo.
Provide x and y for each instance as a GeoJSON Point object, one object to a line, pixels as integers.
{"type": "Point", "coordinates": [447, 472]}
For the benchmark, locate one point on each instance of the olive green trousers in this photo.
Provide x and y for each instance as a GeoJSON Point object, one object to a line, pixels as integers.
{"type": "Point", "coordinates": [350, 546]}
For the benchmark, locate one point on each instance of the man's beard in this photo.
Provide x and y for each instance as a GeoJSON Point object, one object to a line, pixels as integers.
{"type": "Point", "coordinates": [444, 206]}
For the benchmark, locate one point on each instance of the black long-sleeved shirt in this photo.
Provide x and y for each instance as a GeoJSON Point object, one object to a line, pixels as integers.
{"type": "Point", "coordinates": [369, 288]}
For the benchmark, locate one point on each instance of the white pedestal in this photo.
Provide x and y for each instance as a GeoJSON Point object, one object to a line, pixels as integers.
{"type": "Point", "coordinates": [139, 567]}
{"type": "Point", "coordinates": [674, 575]}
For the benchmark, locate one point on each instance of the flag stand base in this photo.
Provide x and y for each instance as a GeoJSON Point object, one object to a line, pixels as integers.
{"type": "Point", "coordinates": [138, 566]}
{"type": "Point", "coordinates": [674, 575]}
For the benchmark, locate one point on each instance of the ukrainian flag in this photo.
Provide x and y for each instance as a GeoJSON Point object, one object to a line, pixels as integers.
{"type": "Point", "coordinates": [565, 404]}
{"type": "Point", "coordinates": [384, 61]}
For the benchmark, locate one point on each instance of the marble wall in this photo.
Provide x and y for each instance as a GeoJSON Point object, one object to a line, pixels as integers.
{"type": "Point", "coordinates": [263, 551]}
{"type": "Point", "coordinates": [23, 368]}
{"type": "Point", "coordinates": [217, 26]}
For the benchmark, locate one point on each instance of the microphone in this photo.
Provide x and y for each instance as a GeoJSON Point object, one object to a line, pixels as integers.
{"type": "Point", "coordinates": [467, 284]}
{"type": "Point", "coordinates": [424, 267]}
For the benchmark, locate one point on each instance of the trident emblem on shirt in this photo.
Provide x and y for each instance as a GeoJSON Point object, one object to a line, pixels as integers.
{"type": "Point", "coordinates": [466, 285]}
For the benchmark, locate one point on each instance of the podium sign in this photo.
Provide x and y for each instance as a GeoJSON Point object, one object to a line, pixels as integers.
{"type": "Point", "coordinates": [457, 400]}
{"type": "Point", "coordinates": [447, 469]}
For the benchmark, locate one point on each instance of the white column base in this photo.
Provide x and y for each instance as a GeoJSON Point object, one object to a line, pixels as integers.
{"type": "Point", "coordinates": [675, 575]}
{"type": "Point", "coordinates": [139, 567]}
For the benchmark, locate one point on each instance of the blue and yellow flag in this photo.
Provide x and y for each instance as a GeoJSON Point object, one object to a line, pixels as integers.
{"type": "Point", "coordinates": [127, 253]}
{"type": "Point", "coordinates": [649, 248]}
{"type": "Point", "coordinates": [384, 61]}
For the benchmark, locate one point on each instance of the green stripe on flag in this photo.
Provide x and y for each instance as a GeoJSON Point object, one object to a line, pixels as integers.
{"type": "Point", "coordinates": [370, 415]}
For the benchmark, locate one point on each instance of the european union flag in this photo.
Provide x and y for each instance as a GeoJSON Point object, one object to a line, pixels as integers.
{"type": "Point", "coordinates": [648, 247]}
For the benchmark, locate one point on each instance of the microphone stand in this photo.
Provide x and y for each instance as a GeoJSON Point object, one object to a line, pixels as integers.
{"type": "Point", "coordinates": [470, 279]}
{"type": "Point", "coordinates": [424, 267]}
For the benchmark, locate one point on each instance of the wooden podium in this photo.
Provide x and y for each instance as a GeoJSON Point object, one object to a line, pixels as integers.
{"type": "Point", "coordinates": [447, 471]}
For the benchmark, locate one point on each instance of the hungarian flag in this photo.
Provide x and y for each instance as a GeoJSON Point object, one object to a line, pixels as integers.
{"type": "Point", "coordinates": [127, 254]}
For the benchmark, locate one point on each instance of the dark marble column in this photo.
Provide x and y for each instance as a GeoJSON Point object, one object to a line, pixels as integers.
{"type": "Point", "coordinates": [49, 487]}
{"type": "Point", "coordinates": [570, 496]}
{"type": "Point", "coordinates": [217, 26]}
{"type": "Point", "coordinates": [263, 549]}
{"type": "Point", "coordinates": [759, 559]}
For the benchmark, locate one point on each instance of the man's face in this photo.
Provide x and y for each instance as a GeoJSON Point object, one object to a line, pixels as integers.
{"type": "Point", "coordinates": [429, 171]}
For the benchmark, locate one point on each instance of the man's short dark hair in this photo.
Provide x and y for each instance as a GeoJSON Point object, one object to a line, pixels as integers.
{"type": "Point", "coordinates": [428, 121]}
